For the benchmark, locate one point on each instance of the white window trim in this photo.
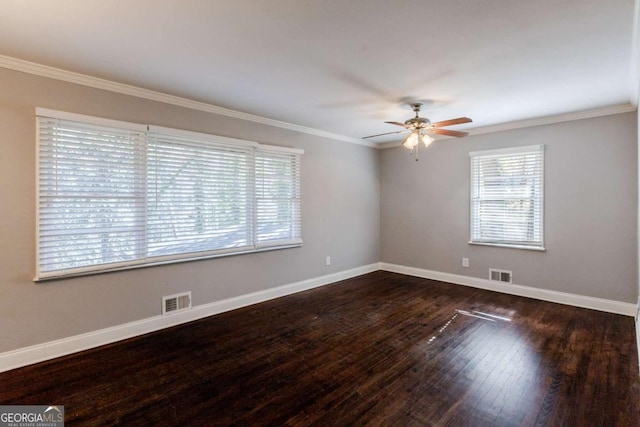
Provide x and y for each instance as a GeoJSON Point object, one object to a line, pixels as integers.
{"type": "Point", "coordinates": [500, 152]}
{"type": "Point", "coordinates": [63, 115]}
{"type": "Point", "coordinates": [508, 150]}
{"type": "Point", "coordinates": [505, 245]}
{"type": "Point", "coordinates": [169, 259]}
{"type": "Point", "coordinates": [98, 121]}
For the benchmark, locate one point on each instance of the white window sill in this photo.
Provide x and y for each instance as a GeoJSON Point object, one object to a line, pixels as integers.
{"type": "Point", "coordinates": [506, 245]}
{"type": "Point", "coordinates": [90, 271]}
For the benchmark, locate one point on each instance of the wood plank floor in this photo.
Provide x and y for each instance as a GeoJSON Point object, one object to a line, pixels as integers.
{"type": "Point", "coordinates": [379, 349]}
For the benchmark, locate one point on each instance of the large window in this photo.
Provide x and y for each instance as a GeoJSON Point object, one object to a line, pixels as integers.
{"type": "Point", "coordinates": [507, 197]}
{"type": "Point", "coordinates": [115, 195]}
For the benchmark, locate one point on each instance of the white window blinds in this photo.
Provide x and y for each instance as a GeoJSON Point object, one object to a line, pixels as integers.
{"type": "Point", "coordinates": [278, 198]}
{"type": "Point", "coordinates": [199, 196]}
{"type": "Point", "coordinates": [115, 195]}
{"type": "Point", "coordinates": [507, 197]}
{"type": "Point", "coordinates": [91, 195]}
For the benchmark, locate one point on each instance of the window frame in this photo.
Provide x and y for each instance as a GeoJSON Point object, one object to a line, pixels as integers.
{"type": "Point", "coordinates": [148, 131]}
{"type": "Point", "coordinates": [527, 245]}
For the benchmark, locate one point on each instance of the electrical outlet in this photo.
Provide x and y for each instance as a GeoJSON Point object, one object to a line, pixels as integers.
{"type": "Point", "coordinates": [327, 261]}
{"type": "Point", "coordinates": [465, 262]}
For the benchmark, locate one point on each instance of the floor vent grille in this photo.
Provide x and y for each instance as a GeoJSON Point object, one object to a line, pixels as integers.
{"type": "Point", "coordinates": [503, 276]}
{"type": "Point", "coordinates": [177, 302]}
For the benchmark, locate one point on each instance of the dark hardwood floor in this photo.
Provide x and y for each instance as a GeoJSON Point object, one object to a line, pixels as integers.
{"type": "Point", "coordinates": [380, 349]}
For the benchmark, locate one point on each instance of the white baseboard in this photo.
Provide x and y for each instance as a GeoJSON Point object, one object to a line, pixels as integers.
{"type": "Point", "coordinates": [50, 350]}
{"type": "Point", "coordinates": [600, 304]}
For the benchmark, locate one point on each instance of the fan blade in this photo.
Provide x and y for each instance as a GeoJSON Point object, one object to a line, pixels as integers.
{"type": "Point", "coordinates": [398, 124]}
{"type": "Point", "coordinates": [380, 134]}
{"type": "Point", "coordinates": [451, 122]}
{"type": "Point", "coordinates": [447, 132]}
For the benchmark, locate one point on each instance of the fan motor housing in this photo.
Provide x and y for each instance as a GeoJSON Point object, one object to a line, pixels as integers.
{"type": "Point", "coordinates": [417, 122]}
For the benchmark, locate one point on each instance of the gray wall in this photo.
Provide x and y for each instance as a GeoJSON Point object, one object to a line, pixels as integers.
{"type": "Point", "coordinates": [591, 193]}
{"type": "Point", "coordinates": [341, 202]}
{"type": "Point", "coordinates": [360, 206]}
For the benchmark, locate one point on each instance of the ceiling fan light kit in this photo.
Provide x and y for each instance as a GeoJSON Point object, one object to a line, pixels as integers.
{"type": "Point", "coordinates": [412, 142]}
{"type": "Point", "coordinates": [421, 127]}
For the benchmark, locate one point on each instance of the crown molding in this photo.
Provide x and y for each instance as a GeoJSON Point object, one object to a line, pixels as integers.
{"type": "Point", "coordinates": [391, 144]}
{"type": "Point", "coordinates": [538, 121]}
{"type": "Point", "coordinates": [98, 83]}
{"type": "Point", "coordinates": [557, 118]}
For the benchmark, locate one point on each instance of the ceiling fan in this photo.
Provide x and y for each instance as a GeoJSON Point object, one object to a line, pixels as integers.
{"type": "Point", "coordinates": [421, 127]}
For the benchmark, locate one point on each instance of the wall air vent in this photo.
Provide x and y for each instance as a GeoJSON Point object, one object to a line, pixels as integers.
{"type": "Point", "coordinates": [503, 276]}
{"type": "Point", "coordinates": [177, 302]}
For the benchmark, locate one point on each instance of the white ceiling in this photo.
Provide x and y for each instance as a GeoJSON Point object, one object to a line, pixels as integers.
{"type": "Point", "coordinates": [344, 66]}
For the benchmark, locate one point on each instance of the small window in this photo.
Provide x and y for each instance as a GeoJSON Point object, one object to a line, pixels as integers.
{"type": "Point", "coordinates": [507, 187]}
{"type": "Point", "coordinates": [114, 195]}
